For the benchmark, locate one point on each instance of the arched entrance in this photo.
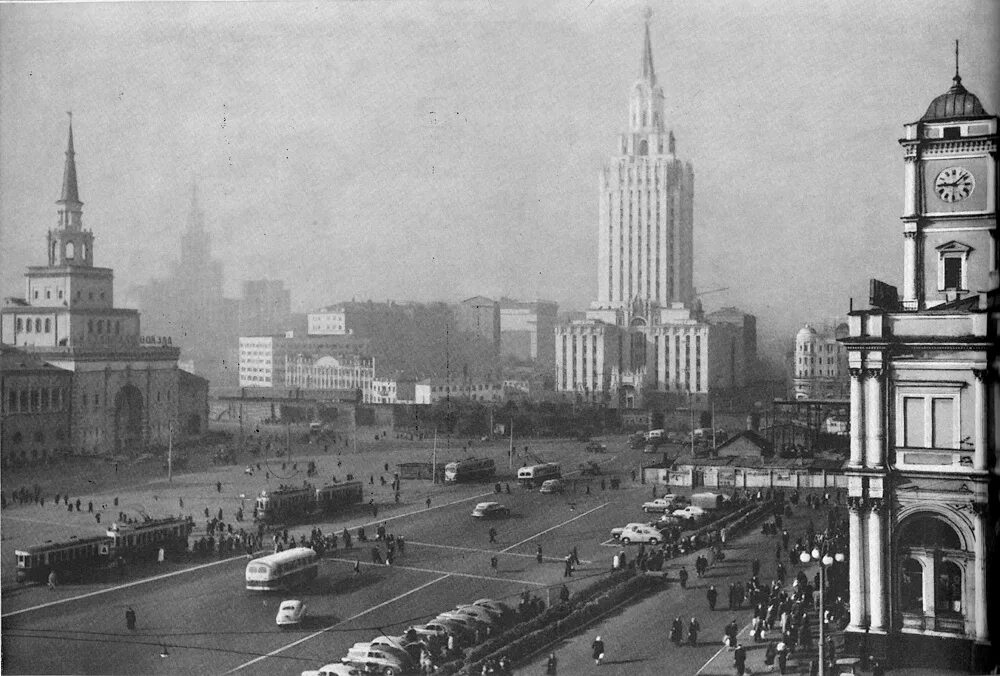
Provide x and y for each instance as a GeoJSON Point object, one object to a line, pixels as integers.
{"type": "Point", "coordinates": [931, 574]}
{"type": "Point", "coordinates": [129, 437]}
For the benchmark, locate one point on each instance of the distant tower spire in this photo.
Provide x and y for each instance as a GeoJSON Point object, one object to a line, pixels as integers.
{"type": "Point", "coordinates": [70, 192]}
{"type": "Point", "coordinates": [71, 208]}
{"type": "Point", "coordinates": [648, 73]}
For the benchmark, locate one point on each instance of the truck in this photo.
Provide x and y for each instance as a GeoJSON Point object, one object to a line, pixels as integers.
{"type": "Point", "coordinates": [709, 500]}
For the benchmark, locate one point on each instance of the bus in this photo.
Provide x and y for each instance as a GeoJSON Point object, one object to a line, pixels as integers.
{"type": "Point", "coordinates": [283, 570]}
{"type": "Point", "coordinates": [470, 469]}
{"type": "Point", "coordinates": [536, 474]}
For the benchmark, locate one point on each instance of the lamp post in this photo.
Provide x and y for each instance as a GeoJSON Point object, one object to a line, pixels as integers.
{"type": "Point", "coordinates": [824, 561]}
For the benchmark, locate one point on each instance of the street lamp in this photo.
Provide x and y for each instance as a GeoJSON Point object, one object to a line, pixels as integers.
{"type": "Point", "coordinates": [824, 561]}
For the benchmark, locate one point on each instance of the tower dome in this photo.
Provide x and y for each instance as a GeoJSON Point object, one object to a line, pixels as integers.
{"type": "Point", "coordinates": [805, 333]}
{"type": "Point", "coordinates": [957, 102]}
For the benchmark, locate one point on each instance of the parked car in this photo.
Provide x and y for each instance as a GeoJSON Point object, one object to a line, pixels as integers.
{"type": "Point", "coordinates": [590, 468]}
{"type": "Point", "coordinates": [552, 486]}
{"type": "Point", "coordinates": [669, 520]}
{"type": "Point", "coordinates": [490, 510]}
{"type": "Point", "coordinates": [690, 512]}
{"type": "Point", "coordinates": [470, 622]}
{"type": "Point", "coordinates": [463, 631]}
{"type": "Point", "coordinates": [664, 504]}
{"type": "Point", "coordinates": [488, 616]}
{"type": "Point", "coordinates": [595, 447]}
{"type": "Point", "coordinates": [496, 607]}
{"type": "Point", "coordinates": [640, 533]}
{"type": "Point", "coordinates": [290, 613]}
{"type": "Point", "coordinates": [373, 660]}
{"type": "Point", "coordinates": [334, 670]}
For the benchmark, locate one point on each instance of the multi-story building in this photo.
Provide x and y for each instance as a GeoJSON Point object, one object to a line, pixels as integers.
{"type": "Point", "coordinates": [265, 307]}
{"type": "Point", "coordinates": [329, 321]}
{"type": "Point", "coordinates": [480, 316]}
{"type": "Point", "coordinates": [395, 390]}
{"type": "Point", "coordinates": [646, 332]}
{"type": "Point", "coordinates": [188, 304]}
{"type": "Point", "coordinates": [263, 359]}
{"type": "Point", "coordinates": [820, 364]}
{"type": "Point", "coordinates": [35, 420]}
{"type": "Point", "coordinates": [434, 390]}
{"type": "Point", "coordinates": [526, 330]}
{"type": "Point", "coordinates": [126, 388]}
{"type": "Point", "coordinates": [350, 376]}
{"type": "Point", "coordinates": [922, 473]}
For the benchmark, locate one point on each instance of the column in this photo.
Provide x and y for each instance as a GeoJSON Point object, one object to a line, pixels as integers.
{"type": "Point", "coordinates": [875, 427]}
{"type": "Point", "coordinates": [855, 562]}
{"type": "Point", "coordinates": [979, 573]}
{"type": "Point", "coordinates": [857, 418]}
{"type": "Point", "coordinates": [876, 567]}
{"type": "Point", "coordinates": [910, 270]}
{"type": "Point", "coordinates": [979, 441]}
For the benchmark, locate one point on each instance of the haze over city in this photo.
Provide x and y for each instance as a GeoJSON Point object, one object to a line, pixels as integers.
{"type": "Point", "coordinates": [438, 150]}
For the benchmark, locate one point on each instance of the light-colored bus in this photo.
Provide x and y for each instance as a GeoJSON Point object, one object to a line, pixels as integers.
{"type": "Point", "coordinates": [536, 474]}
{"type": "Point", "coordinates": [283, 570]}
{"type": "Point", "coordinates": [470, 469]}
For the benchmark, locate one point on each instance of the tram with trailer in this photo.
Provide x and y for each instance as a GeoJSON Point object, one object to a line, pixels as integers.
{"type": "Point", "coordinates": [282, 570]}
{"type": "Point", "coordinates": [289, 503]}
{"type": "Point", "coordinates": [470, 469]}
{"type": "Point", "coordinates": [80, 558]}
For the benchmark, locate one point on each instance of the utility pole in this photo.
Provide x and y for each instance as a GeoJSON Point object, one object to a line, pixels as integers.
{"type": "Point", "coordinates": [510, 450]}
{"type": "Point", "coordinates": [434, 457]}
{"type": "Point", "coordinates": [170, 452]}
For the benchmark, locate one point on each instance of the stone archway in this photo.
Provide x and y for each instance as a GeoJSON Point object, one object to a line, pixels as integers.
{"type": "Point", "coordinates": [129, 436]}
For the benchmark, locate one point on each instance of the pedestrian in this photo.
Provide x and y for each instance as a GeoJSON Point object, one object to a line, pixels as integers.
{"type": "Point", "coordinates": [218, 486]}
{"type": "Point", "coordinates": [597, 650]}
{"type": "Point", "coordinates": [740, 659]}
{"type": "Point", "coordinates": [693, 628]}
{"type": "Point", "coordinates": [684, 578]}
{"type": "Point", "coordinates": [493, 535]}
{"type": "Point", "coordinates": [568, 569]}
{"type": "Point", "coordinates": [769, 654]}
{"type": "Point", "coordinates": [357, 566]}
{"type": "Point", "coordinates": [576, 557]}
{"type": "Point", "coordinates": [52, 580]}
{"type": "Point", "coordinates": [130, 619]}
{"type": "Point", "coordinates": [713, 595]}
{"type": "Point", "coordinates": [551, 665]}
{"type": "Point", "coordinates": [180, 501]}
{"type": "Point", "coordinates": [428, 503]}
{"type": "Point", "coordinates": [677, 631]}
{"type": "Point", "coordinates": [782, 652]}
{"type": "Point", "coordinates": [494, 563]}
{"type": "Point", "coordinates": [564, 594]}
{"type": "Point", "coordinates": [538, 554]}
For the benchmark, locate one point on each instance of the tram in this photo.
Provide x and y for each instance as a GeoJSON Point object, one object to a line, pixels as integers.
{"type": "Point", "coordinates": [470, 469]}
{"type": "Point", "coordinates": [289, 503]}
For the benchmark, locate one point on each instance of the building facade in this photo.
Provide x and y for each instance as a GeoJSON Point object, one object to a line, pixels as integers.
{"type": "Point", "coordinates": [526, 330]}
{"type": "Point", "coordinates": [480, 316]}
{"type": "Point", "coordinates": [820, 364]}
{"type": "Point", "coordinates": [353, 375]}
{"type": "Point", "coordinates": [646, 333]}
{"type": "Point", "coordinates": [263, 360]}
{"type": "Point", "coordinates": [35, 420]}
{"type": "Point", "coordinates": [126, 387]}
{"type": "Point", "coordinates": [924, 404]}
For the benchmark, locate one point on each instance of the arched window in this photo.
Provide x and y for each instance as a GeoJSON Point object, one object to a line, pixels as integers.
{"type": "Point", "coordinates": [48, 326]}
{"type": "Point", "coordinates": [70, 250]}
{"type": "Point", "coordinates": [55, 251]}
{"type": "Point", "coordinates": [928, 532]}
{"type": "Point", "coordinates": [643, 147]}
{"type": "Point", "coordinates": [83, 251]}
{"type": "Point", "coordinates": [29, 325]}
{"type": "Point", "coordinates": [20, 324]}
{"type": "Point", "coordinates": [948, 589]}
{"type": "Point", "coordinates": [911, 587]}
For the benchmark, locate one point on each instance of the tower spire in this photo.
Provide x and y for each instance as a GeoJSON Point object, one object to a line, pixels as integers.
{"type": "Point", "coordinates": [957, 78]}
{"type": "Point", "coordinates": [70, 193]}
{"type": "Point", "coordinates": [648, 73]}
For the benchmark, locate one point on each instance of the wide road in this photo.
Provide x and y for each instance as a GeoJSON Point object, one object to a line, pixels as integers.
{"type": "Point", "coordinates": [209, 624]}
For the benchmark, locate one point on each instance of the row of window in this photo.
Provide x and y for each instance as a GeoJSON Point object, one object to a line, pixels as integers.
{"type": "Point", "coordinates": [37, 400]}
{"type": "Point", "coordinates": [59, 294]}
{"type": "Point", "coordinates": [39, 437]}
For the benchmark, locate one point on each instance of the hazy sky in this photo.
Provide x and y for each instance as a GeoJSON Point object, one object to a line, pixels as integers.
{"type": "Point", "coordinates": [439, 150]}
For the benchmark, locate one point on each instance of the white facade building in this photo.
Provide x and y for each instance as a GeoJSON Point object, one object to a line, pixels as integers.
{"type": "Point", "coordinates": [330, 373]}
{"type": "Point", "coordinates": [820, 368]}
{"type": "Point", "coordinates": [922, 476]}
{"type": "Point", "coordinates": [327, 322]}
{"type": "Point", "coordinates": [256, 361]}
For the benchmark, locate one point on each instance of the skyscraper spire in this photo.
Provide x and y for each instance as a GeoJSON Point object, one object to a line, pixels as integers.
{"type": "Point", "coordinates": [648, 73]}
{"type": "Point", "coordinates": [70, 192]}
{"type": "Point", "coordinates": [957, 78]}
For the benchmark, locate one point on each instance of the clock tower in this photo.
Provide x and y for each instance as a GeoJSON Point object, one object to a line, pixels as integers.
{"type": "Point", "coordinates": [950, 198]}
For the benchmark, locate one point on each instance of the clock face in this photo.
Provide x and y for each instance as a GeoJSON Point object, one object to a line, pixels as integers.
{"type": "Point", "coordinates": [954, 184]}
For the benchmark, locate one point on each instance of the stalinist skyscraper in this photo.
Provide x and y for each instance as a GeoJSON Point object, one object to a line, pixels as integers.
{"type": "Point", "coordinates": [645, 246]}
{"type": "Point", "coordinates": [646, 333]}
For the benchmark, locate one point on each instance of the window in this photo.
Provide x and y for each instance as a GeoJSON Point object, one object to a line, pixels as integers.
{"type": "Point", "coordinates": [952, 132]}
{"type": "Point", "coordinates": [20, 324]}
{"type": "Point", "coordinates": [38, 326]}
{"type": "Point", "coordinates": [60, 294]}
{"type": "Point", "coordinates": [948, 589]}
{"type": "Point", "coordinates": [952, 272]}
{"type": "Point", "coordinates": [48, 294]}
{"type": "Point", "coordinates": [70, 250]}
{"type": "Point", "coordinates": [930, 421]}
{"type": "Point", "coordinates": [28, 325]}
{"type": "Point", "coordinates": [48, 326]}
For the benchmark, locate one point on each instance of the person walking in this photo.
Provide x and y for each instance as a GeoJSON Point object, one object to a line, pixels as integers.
{"type": "Point", "coordinates": [693, 628]}
{"type": "Point", "coordinates": [568, 568]}
{"type": "Point", "coordinates": [494, 563]}
{"type": "Point", "coordinates": [538, 554]}
{"type": "Point", "coordinates": [357, 566]}
{"type": "Point", "coordinates": [551, 664]}
{"type": "Point", "coordinates": [493, 535]}
{"type": "Point", "coordinates": [684, 578]}
{"type": "Point", "coordinates": [52, 580]}
{"type": "Point", "coordinates": [677, 631]}
{"type": "Point", "coordinates": [597, 650]}
{"type": "Point", "coordinates": [712, 595]}
{"type": "Point", "coordinates": [740, 659]}
{"type": "Point", "coordinates": [130, 618]}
